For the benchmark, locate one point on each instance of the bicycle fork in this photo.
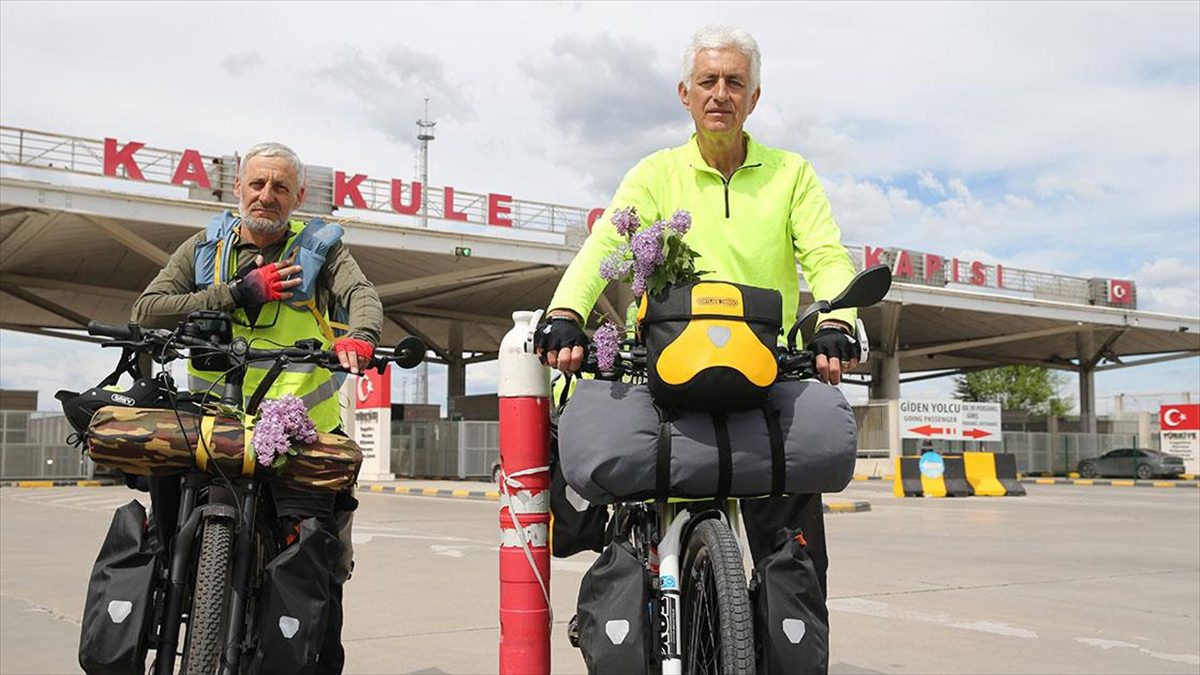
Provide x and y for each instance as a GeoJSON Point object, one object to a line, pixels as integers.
{"type": "Point", "coordinates": [243, 568]}
{"type": "Point", "coordinates": [668, 587]}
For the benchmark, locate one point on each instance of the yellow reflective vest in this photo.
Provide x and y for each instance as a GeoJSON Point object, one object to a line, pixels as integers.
{"type": "Point", "coordinates": [279, 324]}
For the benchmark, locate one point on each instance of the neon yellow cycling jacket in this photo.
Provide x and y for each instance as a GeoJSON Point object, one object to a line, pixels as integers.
{"type": "Point", "coordinates": [750, 229]}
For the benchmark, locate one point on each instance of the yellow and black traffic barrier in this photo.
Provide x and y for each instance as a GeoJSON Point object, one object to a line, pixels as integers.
{"type": "Point", "coordinates": [955, 477]}
{"type": "Point", "coordinates": [1006, 473]}
{"type": "Point", "coordinates": [986, 474]}
{"type": "Point", "coordinates": [993, 474]}
{"type": "Point", "coordinates": [908, 482]}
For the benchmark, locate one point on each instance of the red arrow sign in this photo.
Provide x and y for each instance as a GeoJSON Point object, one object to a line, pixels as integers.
{"type": "Point", "coordinates": [927, 430]}
{"type": "Point", "coordinates": [976, 433]}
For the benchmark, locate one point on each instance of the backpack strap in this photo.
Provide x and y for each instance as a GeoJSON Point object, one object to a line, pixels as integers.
{"type": "Point", "coordinates": [662, 462]}
{"type": "Point", "coordinates": [724, 455]}
{"type": "Point", "coordinates": [309, 249]}
{"type": "Point", "coordinates": [778, 465]}
{"type": "Point", "coordinates": [212, 254]}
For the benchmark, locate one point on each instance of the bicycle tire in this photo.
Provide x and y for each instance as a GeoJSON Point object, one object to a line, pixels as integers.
{"type": "Point", "coordinates": [718, 625]}
{"type": "Point", "coordinates": [206, 622]}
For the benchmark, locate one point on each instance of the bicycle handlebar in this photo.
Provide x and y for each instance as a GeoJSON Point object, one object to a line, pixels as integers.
{"type": "Point", "coordinates": [407, 354]}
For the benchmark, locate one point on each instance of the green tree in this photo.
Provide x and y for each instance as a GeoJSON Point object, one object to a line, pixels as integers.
{"type": "Point", "coordinates": [1028, 388]}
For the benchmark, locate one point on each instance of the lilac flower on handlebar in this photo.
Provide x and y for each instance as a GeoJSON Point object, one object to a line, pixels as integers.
{"type": "Point", "coordinates": [653, 257]}
{"type": "Point", "coordinates": [681, 222]}
{"type": "Point", "coordinates": [626, 221]}
{"type": "Point", "coordinates": [616, 265]}
{"type": "Point", "coordinates": [607, 340]}
{"type": "Point", "coordinates": [280, 423]}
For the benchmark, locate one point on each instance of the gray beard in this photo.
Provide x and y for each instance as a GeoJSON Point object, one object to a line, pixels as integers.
{"type": "Point", "coordinates": [264, 225]}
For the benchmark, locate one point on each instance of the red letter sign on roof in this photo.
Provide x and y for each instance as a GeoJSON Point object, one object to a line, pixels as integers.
{"type": "Point", "coordinates": [123, 157]}
{"type": "Point", "coordinates": [343, 188]}
{"type": "Point", "coordinates": [191, 167]}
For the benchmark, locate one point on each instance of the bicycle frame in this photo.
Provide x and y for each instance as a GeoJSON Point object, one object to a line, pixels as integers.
{"type": "Point", "coordinates": [661, 557]}
{"type": "Point", "coordinates": [245, 495]}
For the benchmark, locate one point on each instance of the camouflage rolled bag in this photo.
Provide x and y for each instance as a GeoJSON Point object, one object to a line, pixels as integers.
{"type": "Point", "coordinates": [151, 442]}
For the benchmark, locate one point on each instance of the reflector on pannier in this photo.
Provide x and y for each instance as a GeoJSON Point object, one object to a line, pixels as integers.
{"type": "Point", "coordinates": [615, 445]}
{"type": "Point", "coordinates": [152, 442]}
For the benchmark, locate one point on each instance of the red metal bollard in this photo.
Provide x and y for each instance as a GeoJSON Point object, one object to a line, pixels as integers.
{"type": "Point", "coordinates": [525, 618]}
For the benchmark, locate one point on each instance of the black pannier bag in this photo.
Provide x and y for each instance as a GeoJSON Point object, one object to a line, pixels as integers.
{"type": "Point", "coordinates": [615, 445]}
{"type": "Point", "coordinates": [294, 603]}
{"type": "Point", "coordinates": [575, 525]}
{"type": "Point", "coordinates": [711, 345]}
{"type": "Point", "coordinates": [119, 606]}
{"type": "Point", "coordinates": [791, 619]}
{"type": "Point", "coordinates": [614, 613]}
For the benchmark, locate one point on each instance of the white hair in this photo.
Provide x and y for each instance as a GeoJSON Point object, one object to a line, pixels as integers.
{"type": "Point", "coordinates": [721, 37]}
{"type": "Point", "coordinates": [270, 149]}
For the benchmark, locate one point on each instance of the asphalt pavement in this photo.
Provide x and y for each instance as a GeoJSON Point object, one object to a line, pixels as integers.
{"type": "Point", "coordinates": [1066, 580]}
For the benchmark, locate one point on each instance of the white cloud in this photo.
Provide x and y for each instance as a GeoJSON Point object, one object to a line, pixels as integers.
{"type": "Point", "coordinates": [930, 182]}
{"type": "Point", "coordinates": [1169, 285]}
{"type": "Point", "coordinates": [1061, 137]}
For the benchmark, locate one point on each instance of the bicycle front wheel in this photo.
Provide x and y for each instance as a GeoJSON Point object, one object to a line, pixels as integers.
{"type": "Point", "coordinates": [206, 621]}
{"type": "Point", "coordinates": [718, 629]}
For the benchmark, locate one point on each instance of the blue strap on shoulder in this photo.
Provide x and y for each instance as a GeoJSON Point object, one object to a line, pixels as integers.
{"type": "Point", "coordinates": [310, 249]}
{"type": "Point", "coordinates": [219, 228]}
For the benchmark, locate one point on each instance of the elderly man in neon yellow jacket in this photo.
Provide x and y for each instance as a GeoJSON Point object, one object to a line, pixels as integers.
{"type": "Point", "coordinates": [756, 211]}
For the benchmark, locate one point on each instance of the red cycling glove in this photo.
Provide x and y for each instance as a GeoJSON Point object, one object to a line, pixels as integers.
{"type": "Point", "coordinates": [258, 287]}
{"type": "Point", "coordinates": [365, 350]}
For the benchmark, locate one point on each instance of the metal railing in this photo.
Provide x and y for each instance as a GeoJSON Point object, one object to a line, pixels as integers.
{"type": "Point", "coordinates": [42, 150]}
{"type": "Point", "coordinates": [33, 445]}
{"type": "Point", "coordinates": [874, 429]}
{"type": "Point", "coordinates": [1060, 453]}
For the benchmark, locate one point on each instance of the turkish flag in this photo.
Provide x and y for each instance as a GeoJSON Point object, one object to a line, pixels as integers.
{"type": "Point", "coordinates": [1120, 291]}
{"type": "Point", "coordinates": [1182, 417]}
{"type": "Point", "coordinates": [373, 390]}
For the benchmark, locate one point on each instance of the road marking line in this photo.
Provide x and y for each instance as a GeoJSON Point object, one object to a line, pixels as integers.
{"type": "Point", "coordinates": [1123, 483]}
{"type": "Point", "coordinates": [1190, 659]}
{"type": "Point", "coordinates": [883, 610]}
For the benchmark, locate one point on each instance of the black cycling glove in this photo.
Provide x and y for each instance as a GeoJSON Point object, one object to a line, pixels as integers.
{"type": "Point", "coordinates": [557, 332]}
{"type": "Point", "coordinates": [835, 344]}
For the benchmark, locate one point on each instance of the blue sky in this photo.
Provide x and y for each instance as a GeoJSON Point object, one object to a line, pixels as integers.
{"type": "Point", "coordinates": [1062, 137]}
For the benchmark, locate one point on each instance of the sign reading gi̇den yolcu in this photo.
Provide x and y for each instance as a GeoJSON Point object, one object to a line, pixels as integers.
{"type": "Point", "coordinates": [950, 420]}
{"type": "Point", "coordinates": [1180, 433]}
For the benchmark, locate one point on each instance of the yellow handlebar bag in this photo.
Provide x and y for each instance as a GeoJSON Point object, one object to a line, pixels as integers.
{"type": "Point", "coordinates": [710, 345]}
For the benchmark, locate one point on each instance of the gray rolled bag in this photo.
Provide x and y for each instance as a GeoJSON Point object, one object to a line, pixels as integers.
{"type": "Point", "coordinates": [609, 444]}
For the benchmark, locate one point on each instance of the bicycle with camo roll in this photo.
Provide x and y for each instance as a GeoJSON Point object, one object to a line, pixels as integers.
{"type": "Point", "coordinates": [225, 574]}
{"type": "Point", "coordinates": [672, 526]}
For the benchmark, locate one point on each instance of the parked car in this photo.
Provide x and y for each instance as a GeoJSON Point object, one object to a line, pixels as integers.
{"type": "Point", "coordinates": [1134, 462]}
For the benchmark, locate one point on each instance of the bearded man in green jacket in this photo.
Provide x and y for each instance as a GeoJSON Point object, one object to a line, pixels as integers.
{"type": "Point", "coordinates": [756, 212]}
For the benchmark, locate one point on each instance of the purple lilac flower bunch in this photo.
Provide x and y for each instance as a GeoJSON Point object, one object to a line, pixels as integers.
{"type": "Point", "coordinates": [607, 340]}
{"type": "Point", "coordinates": [681, 222]}
{"type": "Point", "coordinates": [626, 221]}
{"type": "Point", "coordinates": [280, 423]}
{"type": "Point", "coordinates": [652, 258]}
{"type": "Point", "coordinates": [616, 265]}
